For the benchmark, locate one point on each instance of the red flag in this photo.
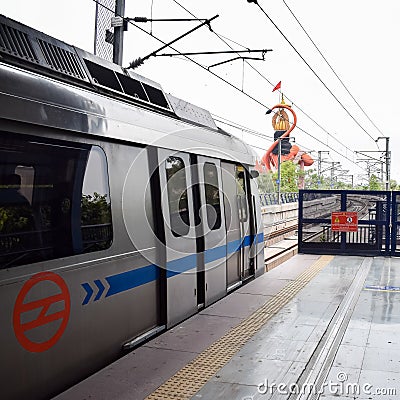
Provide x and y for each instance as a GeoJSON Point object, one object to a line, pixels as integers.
{"type": "Point", "coordinates": [278, 86]}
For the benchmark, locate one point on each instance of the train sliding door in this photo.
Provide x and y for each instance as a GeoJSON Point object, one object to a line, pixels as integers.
{"type": "Point", "coordinates": [213, 226]}
{"type": "Point", "coordinates": [246, 220]}
{"type": "Point", "coordinates": [180, 244]}
{"type": "Point", "coordinates": [237, 217]}
{"type": "Point", "coordinates": [257, 248]}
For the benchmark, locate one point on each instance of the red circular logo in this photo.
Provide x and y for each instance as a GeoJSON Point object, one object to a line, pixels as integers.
{"type": "Point", "coordinates": [42, 307]}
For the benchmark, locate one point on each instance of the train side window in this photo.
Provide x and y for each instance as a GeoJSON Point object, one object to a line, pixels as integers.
{"type": "Point", "coordinates": [241, 193]}
{"type": "Point", "coordinates": [240, 182]}
{"type": "Point", "coordinates": [96, 224]}
{"type": "Point", "coordinates": [213, 203]}
{"type": "Point", "coordinates": [54, 200]}
{"type": "Point", "coordinates": [177, 196]}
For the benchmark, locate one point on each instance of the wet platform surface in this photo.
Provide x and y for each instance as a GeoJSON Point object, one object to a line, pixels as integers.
{"type": "Point", "coordinates": [338, 336]}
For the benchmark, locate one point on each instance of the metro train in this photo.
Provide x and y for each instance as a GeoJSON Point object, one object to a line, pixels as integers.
{"type": "Point", "coordinates": [123, 211]}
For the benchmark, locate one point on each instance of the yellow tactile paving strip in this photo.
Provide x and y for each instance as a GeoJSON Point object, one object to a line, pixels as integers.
{"type": "Point", "coordinates": [191, 378]}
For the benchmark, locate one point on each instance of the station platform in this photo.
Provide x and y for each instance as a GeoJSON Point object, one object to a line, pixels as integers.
{"type": "Point", "coordinates": [314, 327]}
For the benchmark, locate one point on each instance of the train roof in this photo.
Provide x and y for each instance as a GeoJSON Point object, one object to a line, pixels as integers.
{"type": "Point", "coordinates": [69, 88]}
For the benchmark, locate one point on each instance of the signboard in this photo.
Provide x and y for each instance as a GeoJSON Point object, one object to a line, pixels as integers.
{"type": "Point", "coordinates": [344, 221]}
{"type": "Point", "coordinates": [39, 313]}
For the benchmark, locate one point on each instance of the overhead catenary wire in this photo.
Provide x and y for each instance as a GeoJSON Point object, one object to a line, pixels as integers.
{"type": "Point", "coordinates": [250, 131]}
{"type": "Point", "coordinates": [251, 97]}
{"type": "Point", "coordinates": [231, 85]}
{"type": "Point", "coordinates": [190, 59]}
{"type": "Point", "coordinates": [311, 68]}
{"type": "Point", "coordinates": [313, 120]}
{"type": "Point", "coordinates": [222, 38]}
{"type": "Point", "coordinates": [243, 128]}
{"type": "Point", "coordinates": [331, 68]}
{"type": "Point", "coordinates": [265, 137]}
{"type": "Point", "coordinates": [140, 60]}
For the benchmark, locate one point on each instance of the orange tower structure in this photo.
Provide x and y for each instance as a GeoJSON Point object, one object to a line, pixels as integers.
{"type": "Point", "coordinates": [281, 125]}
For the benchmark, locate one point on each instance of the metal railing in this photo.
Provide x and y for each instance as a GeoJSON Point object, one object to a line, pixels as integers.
{"type": "Point", "coordinates": [370, 235]}
{"type": "Point", "coordinates": [268, 199]}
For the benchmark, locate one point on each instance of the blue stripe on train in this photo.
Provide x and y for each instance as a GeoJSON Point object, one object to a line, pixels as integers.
{"type": "Point", "coordinates": [234, 246]}
{"type": "Point", "coordinates": [176, 267]}
{"type": "Point", "coordinates": [130, 279]}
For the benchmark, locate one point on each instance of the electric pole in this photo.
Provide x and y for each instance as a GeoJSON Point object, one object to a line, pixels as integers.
{"type": "Point", "coordinates": [320, 164]}
{"type": "Point", "coordinates": [387, 159]}
{"type": "Point", "coordinates": [118, 43]}
{"type": "Point", "coordinates": [333, 172]}
{"type": "Point", "coordinates": [278, 181]}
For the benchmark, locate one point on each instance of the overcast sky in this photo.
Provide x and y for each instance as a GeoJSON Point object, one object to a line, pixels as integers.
{"type": "Point", "coordinates": [356, 37]}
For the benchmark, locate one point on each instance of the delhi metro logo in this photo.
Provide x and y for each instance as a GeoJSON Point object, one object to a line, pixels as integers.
{"type": "Point", "coordinates": [41, 312]}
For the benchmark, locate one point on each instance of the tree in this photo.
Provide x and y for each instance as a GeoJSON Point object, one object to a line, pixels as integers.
{"type": "Point", "coordinates": [290, 173]}
{"type": "Point", "coordinates": [374, 183]}
{"type": "Point", "coordinates": [394, 185]}
{"type": "Point", "coordinates": [95, 210]}
{"type": "Point", "coordinates": [313, 181]}
{"type": "Point", "coordinates": [265, 183]}
{"type": "Point", "coordinates": [342, 185]}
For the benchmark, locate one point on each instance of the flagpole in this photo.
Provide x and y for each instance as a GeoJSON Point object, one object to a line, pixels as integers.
{"type": "Point", "coordinates": [278, 87]}
{"type": "Point", "coordinates": [279, 169]}
{"type": "Point", "coordinates": [280, 91]}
